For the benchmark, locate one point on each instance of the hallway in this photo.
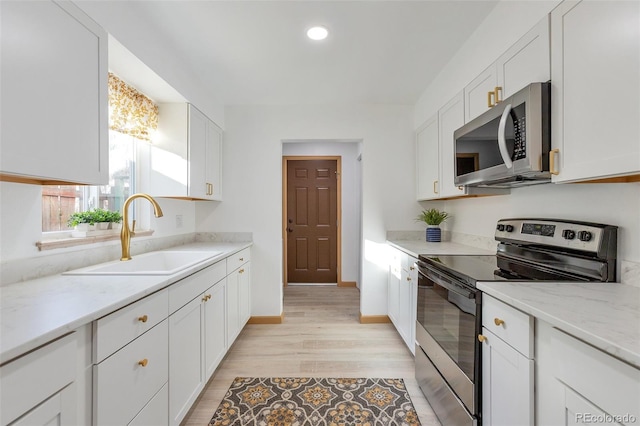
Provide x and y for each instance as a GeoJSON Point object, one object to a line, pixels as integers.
{"type": "Point", "coordinates": [320, 337]}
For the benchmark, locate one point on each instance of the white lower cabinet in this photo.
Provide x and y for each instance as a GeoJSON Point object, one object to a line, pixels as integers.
{"type": "Point", "coordinates": [39, 388]}
{"type": "Point", "coordinates": [403, 293]}
{"type": "Point", "coordinates": [155, 412]}
{"type": "Point", "coordinates": [595, 387]}
{"type": "Point", "coordinates": [185, 359]}
{"type": "Point", "coordinates": [507, 365]}
{"type": "Point", "coordinates": [196, 336]}
{"type": "Point", "coordinates": [127, 380]}
{"type": "Point", "coordinates": [238, 294]}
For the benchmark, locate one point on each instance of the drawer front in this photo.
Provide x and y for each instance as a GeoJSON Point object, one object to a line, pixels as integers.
{"type": "Point", "coordinates": [238, 259]}
{"type": "Point", "coordinates": [119, 328]}
{"type": "Point", "coordinates": [124, 384]}
{"type": "Point", "coordinates": [156, 412]}
{"type": "Point", "coordinates": [508, 323]}
{"type": "Point", "coordinates": [184, 291]}
{"type": "Point", "coordinates": [32, 378]}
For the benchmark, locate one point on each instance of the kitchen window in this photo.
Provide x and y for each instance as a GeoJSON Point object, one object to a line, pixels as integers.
{"type": "Point", "coordinates": [133, 118]}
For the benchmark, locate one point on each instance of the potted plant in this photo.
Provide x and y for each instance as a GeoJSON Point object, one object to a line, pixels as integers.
{"type": "Point", "coordinates": [82, 221]}
{"type": "Point", "coordinates": [433, 218]}
{"type": "Point", "coordinates": [99, 218]}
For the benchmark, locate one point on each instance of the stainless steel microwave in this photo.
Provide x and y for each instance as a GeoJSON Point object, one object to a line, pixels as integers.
{"type": "Point", "coordinates": [508, 145]}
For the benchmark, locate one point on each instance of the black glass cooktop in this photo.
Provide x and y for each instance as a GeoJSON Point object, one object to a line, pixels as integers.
{"type": "Point", "coordinates": [494, 268]}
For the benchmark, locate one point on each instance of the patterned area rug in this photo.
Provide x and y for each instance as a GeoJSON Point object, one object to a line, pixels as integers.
{"type": "Point", "coordinates": [315, 402]}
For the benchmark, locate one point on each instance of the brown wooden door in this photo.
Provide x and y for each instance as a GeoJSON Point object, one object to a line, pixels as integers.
{"type": "Point", "coordinates": [312, 221]}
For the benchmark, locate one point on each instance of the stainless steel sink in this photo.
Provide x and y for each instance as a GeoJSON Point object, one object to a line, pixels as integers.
{"type": "Point", "coordinates": [153, 263]}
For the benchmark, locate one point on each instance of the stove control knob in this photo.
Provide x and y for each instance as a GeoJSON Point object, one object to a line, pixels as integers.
{"type": "Point", "coordinates": [509, 228]}
{"type": "Point", "coordinates": [568, 234]}
{"type": "Point", "coordinates": [500, 227]}
{"type": "Point", "coordinates": [584, 236]}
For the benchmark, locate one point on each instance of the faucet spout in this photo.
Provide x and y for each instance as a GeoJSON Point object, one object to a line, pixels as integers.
{"type": "Point", "coordinates": [125, 233]}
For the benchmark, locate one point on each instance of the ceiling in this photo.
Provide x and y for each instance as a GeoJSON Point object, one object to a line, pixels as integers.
{"type": "Point", "coordinates": [256, 52]}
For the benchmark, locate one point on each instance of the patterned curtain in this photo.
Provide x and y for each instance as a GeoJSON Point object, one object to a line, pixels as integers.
{"type": "Point", "coordinates": [130, 111]}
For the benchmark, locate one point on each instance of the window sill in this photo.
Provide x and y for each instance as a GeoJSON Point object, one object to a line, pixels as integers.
{"type": "Point", "coordinates": [71, 242]}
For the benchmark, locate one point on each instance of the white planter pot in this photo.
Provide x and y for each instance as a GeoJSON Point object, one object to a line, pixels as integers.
{"type": "Point", "coordinates": [84, 227]}
{"type": "Point", "coordinates": [102, 226]}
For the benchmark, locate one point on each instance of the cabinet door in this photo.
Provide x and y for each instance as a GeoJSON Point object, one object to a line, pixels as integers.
{"type": "Point", "coordinates": [595, 75]}
{"type": "Point", "coordinates": [185, 364]}
{"type": "Point", "coordinates": [476, 93]}
{"type": "Point", "coordinates": [507, 384]}
{"type": "Point", "coordinates": [55, 411]}
{"type": "Point", "coordinates": [527, 61]}
{"type": "Point", "coordinates": [244, 294]}
{"type": "Point", "coordinates": [450, 117]}
{"type": "Point", "coordinates": [198, 124]}
{"type": "Point", "coordinates": [394, 287]}
{"type": "Point", "coordinates": [215, 331]}
{"type": "Point", "coordinates": [233, 314]}
{"type": "Point", "coordinates": [427, 160]}
{"type": "Point", "coordinates": [404, 313]}
{"type": "Point", "coordinates": [54, 93]}
{"type": "Point", "coordinates": [214, 161]}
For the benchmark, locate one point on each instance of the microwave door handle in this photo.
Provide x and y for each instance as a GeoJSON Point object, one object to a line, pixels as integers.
{"type": "Point", "coordinates": [502, 139]}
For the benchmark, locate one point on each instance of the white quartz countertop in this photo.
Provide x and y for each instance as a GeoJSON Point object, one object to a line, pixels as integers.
{"type": "Point", "coordinates": [604, 315]}
{"type": "Point", "coordinates": [35, 312]}
{"type": "Point", "coordinates": [416, 248]}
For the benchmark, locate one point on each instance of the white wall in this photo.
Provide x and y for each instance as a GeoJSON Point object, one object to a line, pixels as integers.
{"type": "Point", "coordinates": [253, 186]}
{"type": "Point", "coordinates": [616, 204]}
{"type": "Point", "coordinates": [351, 211]}
{"type": "Point", "coordinates": [122, 20]}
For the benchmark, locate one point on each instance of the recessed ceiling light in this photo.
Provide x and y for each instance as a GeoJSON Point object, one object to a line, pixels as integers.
{"type": "Point", "coordinates": [317, 33]}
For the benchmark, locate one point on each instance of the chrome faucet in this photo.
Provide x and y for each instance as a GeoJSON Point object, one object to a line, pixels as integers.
{"type": "Point", "coordinates": [125, 233]}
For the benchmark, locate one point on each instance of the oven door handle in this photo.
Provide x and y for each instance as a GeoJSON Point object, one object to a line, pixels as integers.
{"type": "Point", "coordinates": [450, 284]}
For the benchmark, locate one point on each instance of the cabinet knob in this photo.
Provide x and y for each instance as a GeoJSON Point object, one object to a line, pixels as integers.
{"type": "Point", "coordinates": [481, 338]}
{"type": "Point", "coordinates": [143, 318]}
{"type": "Point", "coordinates": [412, 268]}
{"type": "Point", "coordinates": [498, 322]}
{"type": "Point", "coordinates": [143, 363]}
{"type": "Point", "coordinates": [242, 259]}
{"type": "Point", "coordinates": [206, 297]}
{"type": "Point", "coordinates": [241, 271]}
{"type": "Point", "coordinates": [408, 278]}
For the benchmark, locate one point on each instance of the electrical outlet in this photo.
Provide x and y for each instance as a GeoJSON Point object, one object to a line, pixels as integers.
{"type": "Point", "coordinates": [178, 221]}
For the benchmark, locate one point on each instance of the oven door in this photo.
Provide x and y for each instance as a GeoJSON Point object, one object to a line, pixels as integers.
{"type": "Point", "coordinates": [448, 323]}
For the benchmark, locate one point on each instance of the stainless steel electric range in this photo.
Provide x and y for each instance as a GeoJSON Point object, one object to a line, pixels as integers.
{"type": "Point", "coordinates": [449, 311]}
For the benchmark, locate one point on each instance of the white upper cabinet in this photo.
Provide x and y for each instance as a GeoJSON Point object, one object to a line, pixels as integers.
{"type": "Point", "coordinates": [54, 94]}
{"type": "Point", "coordinates": [527, 61]}
{"type": "Point", "coordinates": [450, 118]}
{"type": "Point", "coordinates": [595, 89]}
{"type": "Point", "coordinates": [186, 159]}
{"type": "Point", "coordinates": [434, 152]}
{"type": "Point", "coordinates": [427, 160]}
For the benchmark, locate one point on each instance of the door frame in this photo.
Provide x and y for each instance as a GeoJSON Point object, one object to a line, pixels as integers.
{"type": "Point", "coordinates": [285, 162]}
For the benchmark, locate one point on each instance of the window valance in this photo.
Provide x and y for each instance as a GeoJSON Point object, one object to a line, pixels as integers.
{"type": "Point", "coordinates": [130, 111]}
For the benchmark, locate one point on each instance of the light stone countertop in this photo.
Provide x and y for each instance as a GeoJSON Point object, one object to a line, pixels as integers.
{"type": "Point", "coordinates": [35, 312]}
{"type": "Point", "coordinates": [416, 248]}
{"type": "Point", "coordinates": [604, 315]}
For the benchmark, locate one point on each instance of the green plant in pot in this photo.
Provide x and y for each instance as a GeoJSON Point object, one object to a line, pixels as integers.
{"type": "Point", "coordinates": [433, 218]}
{"type": "Point", "coordinates": [83, 220]}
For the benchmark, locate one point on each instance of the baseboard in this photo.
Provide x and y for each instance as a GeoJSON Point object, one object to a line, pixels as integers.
{"type": "Point", "coordinates": [276, 319]}
{"type": "Point", "coordinates": [347, 284]}
{"type": "Point", "coordinates": [373, 319]}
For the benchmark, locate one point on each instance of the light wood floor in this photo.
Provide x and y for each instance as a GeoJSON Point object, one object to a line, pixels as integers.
{"type": "Point", "coordinates": [321, 336]}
